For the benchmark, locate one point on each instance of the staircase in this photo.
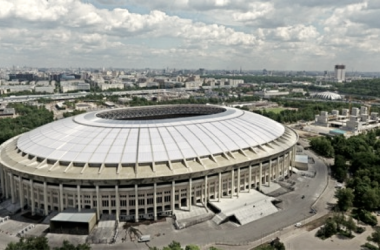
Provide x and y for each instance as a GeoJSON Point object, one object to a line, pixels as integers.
{"type": "Point", "coordinates": [219, 218]}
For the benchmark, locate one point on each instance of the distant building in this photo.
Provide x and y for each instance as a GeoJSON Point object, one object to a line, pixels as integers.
{"type": "Point", "coordinates": [271, 93]}
{"type": "Point", "coordinates": [74, 86]}
{"type": "Point", "coordinates": [7, 112]}
{"type": "Point", "coordinates": [327, 95]}
{"type": "Point", "coordinates": [340, 73]}
{"type": "Point", "coordinates": [44, 89]}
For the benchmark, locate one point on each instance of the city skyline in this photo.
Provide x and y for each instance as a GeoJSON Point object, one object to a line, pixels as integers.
{"type": "Point", "coordinates": [213, 34]}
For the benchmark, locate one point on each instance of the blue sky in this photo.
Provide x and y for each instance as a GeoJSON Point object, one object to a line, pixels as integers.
{"type": "Point", "coordinates": [211, 34]}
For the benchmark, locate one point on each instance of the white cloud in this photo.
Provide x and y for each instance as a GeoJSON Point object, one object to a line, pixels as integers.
{"type": "Point", "coordinates": [189, 33]}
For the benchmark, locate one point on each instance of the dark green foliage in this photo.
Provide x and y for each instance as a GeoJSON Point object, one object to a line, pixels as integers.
{"type": "Point", "coordinates": [29, 118]}
{"type": "Point", "coordinates": [360, 87]}
{"type": "Point", "coordinates": [75, 112]}
{"type": "Point", "coordinates": [369, 246]}
{"type": "Point", "coordinates": [41, 243]}
{"type": "Point", "coordinates": [37, 243]}
{"type": "Point", "coordinates": [306, 110]}
{"type": "Point", "coordinates": [375, 237]}
{"type": "Point", "coordinates": [328, 230]}
{"type": "Point", "coordinates": [359, 230]}
{"type": "Point", "coordinates": [66, 245]}
{"type": "Point", "coordinates": [339, 169]}
{"type": "Point", "coordinates": [192, 247]}
{"type": "Point", "coordinates": [322, 146]}
{"type": "Point", "coordinates": [345, 198]}
{"type": "Point", "coordinates": [350, 225]}
{"type": "Point", "coordinates": [365, 217]}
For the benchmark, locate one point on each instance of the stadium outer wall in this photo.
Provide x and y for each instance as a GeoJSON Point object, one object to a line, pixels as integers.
{"type": "Point", "coordinates": [148, 197]}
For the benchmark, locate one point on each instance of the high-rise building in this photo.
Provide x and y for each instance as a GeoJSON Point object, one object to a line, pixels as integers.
{"type": "Point", "coordinates": [340, 72]}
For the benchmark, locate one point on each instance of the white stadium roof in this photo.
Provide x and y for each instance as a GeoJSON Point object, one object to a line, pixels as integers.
{"type": "Point", "coordinates": [328, 95]}
{"type": "Point", "coordinates": [127, 136]}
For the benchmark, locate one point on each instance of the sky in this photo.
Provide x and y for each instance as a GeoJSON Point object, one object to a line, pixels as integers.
{"type": "Point", "coordinates": [191, 34]}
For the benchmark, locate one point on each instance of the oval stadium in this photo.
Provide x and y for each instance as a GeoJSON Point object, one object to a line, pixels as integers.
{"type": "Point", "coordinates": [145, 162]}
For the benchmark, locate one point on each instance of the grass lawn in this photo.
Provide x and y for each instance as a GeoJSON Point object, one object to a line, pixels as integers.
{"type": "Point", "coordinates": [275, 110]}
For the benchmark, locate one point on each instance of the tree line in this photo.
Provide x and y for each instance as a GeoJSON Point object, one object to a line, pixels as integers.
{"type": "Point", "coordinates": [29, 117]}
{"type": "Point", "coordinates": [357, 163]}
{"type": "Point", "coordinates": [306, 110]}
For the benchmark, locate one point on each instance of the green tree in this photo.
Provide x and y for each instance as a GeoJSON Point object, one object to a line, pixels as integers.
{"type": "Point", "coordinates": [350, 225]}
{"type": "Point", "coordinates": [340, 169]}
{"type": "Point", "coordinates": [322, 146]}
{"type": "Point", "coordinates": [192, 247]}
{"type": "Point", "coordinates": [345, 198]}
{"type": "Point", "coordinates": [32, 243]}
{"type": "Point", "coordinates": [375, 237]}
{"type": "Point", "coordinates": [66, 245]}
{"type": "Point", "coordinates": [173, 246]}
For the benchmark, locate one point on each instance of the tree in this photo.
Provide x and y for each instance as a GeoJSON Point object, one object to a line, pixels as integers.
{"type": "Point", "coordinates": [66, 245]}
{"type": "Point", "coordinates": [345, 198]}
{"type": "Point", "coordinates": [32, 243]}
{"type": "Point", "coordinates": [322, 146]}
{"type": "Point", "coordinates": [192, 247]}
{"type": "Point", "coordinates": [350, 225]}
{"type": "Point", "coordinates": [328, 230]}
{"type": "Point", "coordinates": [173, 246]}
{"type": "Point", "coordinates": [375, 237]}
{"type": "Point", "coordinates": [340, 169]}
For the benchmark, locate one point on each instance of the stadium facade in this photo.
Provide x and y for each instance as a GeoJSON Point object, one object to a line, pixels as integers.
{"type": "Point", "coordinates": [145, 162]}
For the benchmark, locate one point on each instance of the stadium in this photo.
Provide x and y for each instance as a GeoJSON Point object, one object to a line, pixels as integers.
{"type": "Point", "coordinates": [144, 162]}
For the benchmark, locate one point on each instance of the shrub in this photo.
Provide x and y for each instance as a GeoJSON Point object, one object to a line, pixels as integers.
{"type": "Point", "coordinates": [360, 230]}
{"type": "Point", "coordinates": [369, 246]}
{"type": "Point", "coordinates": [365, 217]}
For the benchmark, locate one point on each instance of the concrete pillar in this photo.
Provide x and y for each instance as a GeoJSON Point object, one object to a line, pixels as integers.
{"type": "Point", "coordinates": [155, 201]}
{"type": "Point", "coordinates": [13, 195]}
{"type": "Point", "coordinates": [46, 212]}
{"type": "Point", "coordinates": [91, 200]}
{"type": "Point", "coordinates": [260, 175]}
{"type": "Point", "coordinates": [232, 183]}
{"type": "Point", "coordinates": [7, 186]}
{"type": "Point", "coordinates": [79, 199]}
{"type": "Point", "coordinates": [220, 187]}
{"type": "Point", "coordinates": [2, 180]}
{"type": "Point", "coordinates": [61, 197]}
{"type": "Point", "coordinates": [145, 204]}
{"type": "Point", "coordinates": [98, 203]}
{"type": "Point", "coordinates": [27, 194]}
{"type": "Point", "coordinates": [270, 172]}
{"type": "Point", "coordinates": [278, 168]}
{"type": "Point", "coordinates": [136, 204]}
{"type": "Point", "coordinates": [206, 190]}
{"type": "Point", "coordinates": [173, 197]}
{"type": "Point", "coordinates": [21, 192]}
{"type": "Point", "coordinates": [189, 194]}
{"type": "Point", "coordinates": [283, 166]}
{"type": "Point", "coordinates": [293, 159]}
{"type": "Point", "coordinates": [117, 201]}
{"type": "Point", "coordinates": [32, 197]}
{"type": "Point", "coordinates": [238, 182]}
{"type": "Point", "coordinates": [250, 178]}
